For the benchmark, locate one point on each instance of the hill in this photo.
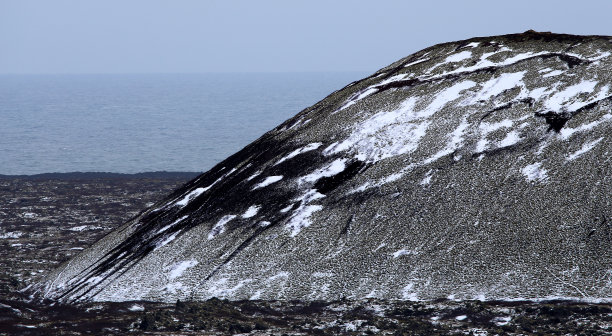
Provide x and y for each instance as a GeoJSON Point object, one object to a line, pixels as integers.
{"type": "Point", "coordinates": [470, 169]}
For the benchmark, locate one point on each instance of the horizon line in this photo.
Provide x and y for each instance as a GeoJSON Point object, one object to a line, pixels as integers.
{"type": "Point", "coordinates": [178, 73]}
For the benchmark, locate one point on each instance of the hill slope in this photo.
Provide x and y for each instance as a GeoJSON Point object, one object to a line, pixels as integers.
{"type": "Point", "coordinates": [471, 169]}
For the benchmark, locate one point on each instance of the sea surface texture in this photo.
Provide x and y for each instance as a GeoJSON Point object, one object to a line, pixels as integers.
{"type": "Point", "coordinates": [137, 123]}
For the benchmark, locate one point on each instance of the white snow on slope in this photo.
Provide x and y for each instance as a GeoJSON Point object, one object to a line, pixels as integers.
{"type": "Point", "coordinates": [497, 85]}
{"type": "Point", "coordinates": [198, 191]}
{"type": "Point", "coordinates": [269, 180]}
{"type": "Point", "coordinates": [511, 138]}
{"type": "Point", "coordinates": [585, 148]}
{"type": "Point", "coordinates": [300, 218]}
{"type": "Point", "coordinates": [251, 211]}
{"type": "Point", "coordinates": [486, 128]}
{"type": "Point", "coordinates": [190, 196]}
{"type": "Point", "coordinates": [382, 181]}
{"type": "Point", "coordinates": [167, 240]}
{"type": "Point", "coordinates": [222, 288]}
{"type": "Point", "coordinates": [458, 57]}
{"type": "Point", "coordinates": [392, 79]}
{"type": "Point", "coordinates": [299, 151]}
{"type": "Point", "coordinates": [567, 132]}
{"type": "Point", "coordinates": [257, 173]}
{"type": "Point", "coordinates": [400, 253]}
{"type": "Point", "coordinates": [181, 267]}
{"type": "Point", "coordinates": [553, 73]}
{"type": "Point", "coordinates": [416, 62]}
{"type": "Point", "coordinates": [84, 227]}
{"type": "Point", "coordinates": [446, 96]}
{"type": "Point", "coordinates": [396, 132]}
{"type": "Point", "coordinates": [171, 224]}
{"type": "Point", "coordinates": [535, 172]}
{"type": "Point", "coordinates": [485, 63]}
{"type": "Point", "coordinates": [220, 226]}
{"type": "Point", "coordinates": [359, 96]}
{"type": "Point", "coordinates": [559, 101]}
{"type": "Point", "coordinates": [427, 179]}
{"type": "Point", "coordinates": [334, 168]}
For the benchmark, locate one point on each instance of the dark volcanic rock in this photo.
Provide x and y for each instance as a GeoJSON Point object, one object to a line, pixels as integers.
{"type": "Point", "coordinates": [45, 221]}
{"type": "Point", "coordinates": [471, 169]}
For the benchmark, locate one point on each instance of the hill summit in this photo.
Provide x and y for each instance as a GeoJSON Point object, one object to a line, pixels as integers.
{"type": "Point", "coordinates": [470, 169]}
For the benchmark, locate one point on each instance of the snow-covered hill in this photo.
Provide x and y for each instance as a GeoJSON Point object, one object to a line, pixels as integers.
{"type": "Point", "coordinates": [471, 169]}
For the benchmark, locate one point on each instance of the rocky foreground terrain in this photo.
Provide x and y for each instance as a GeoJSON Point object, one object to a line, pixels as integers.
{"type": "Point", "coordinates": [47, 219]}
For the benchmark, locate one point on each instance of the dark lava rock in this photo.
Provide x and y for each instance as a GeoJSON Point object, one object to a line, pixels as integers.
{"type": "Point", "coordinates": [470, 169]}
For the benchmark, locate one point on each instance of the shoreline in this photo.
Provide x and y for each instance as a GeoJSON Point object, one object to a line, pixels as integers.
{"type": "Point", "coordinates": [105, 175]}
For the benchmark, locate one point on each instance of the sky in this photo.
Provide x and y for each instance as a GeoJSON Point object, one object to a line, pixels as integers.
{"type": "Point", "coordinates": [199, 36]}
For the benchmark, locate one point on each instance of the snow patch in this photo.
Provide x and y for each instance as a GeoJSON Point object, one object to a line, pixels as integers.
{"type": "Point", "coordinates": [458, 57]}
{"type": "Point", "coordinates": [553, 73]}
{"type": "Point", "coordinates": [495, 86]}
{"type": "Point", "coordinates": [357, 97]}
{"type": "Point", "coordinates": [485, 63]}
{"type": "Point", "coordinates": [300, 218]}
{"type": "Point", "coordinates": [269, 180]}
{"type": "Point", "coordinates": [257, 173]}
{"type": "Point", "coordinates": [408, 293]}
{"type": "Point", "coordinates": [190, 196]}
{"type": "Point", "coordinates": [585, 148]}
{"type": "Point", "coordinates": [220, 226]}
{"type": "Point", "coordinates": [560, 100]}
{"type": "Point", "coordinates": [567, 132]}
{"type": "Point", "coordinates": [334, 168]}
{"type": "Point", "coordinates": [167, 240]}
{"type": "Point", "coordinates": [400, 253]}
{"type": "Point", "coordinates": [198, 191]}
{"type": "Point", "coordinates": [427, 179]}
{"type": "Point", "coordinates": [391, 133]}
{"type": "Point", "coordinates": [84, 228]}
{"type": "Point", "coordinates": [280, 275]}
{"type": "Point", "coordinates": [485, 128]}
{"type": "Point", "coordinates": [11, 235]}
{"type": "Point", "coordinates": [287, 208]}
{"type": "Point", "coordinates": [416, 62]}
{"type": "Point", "coordinates": [181, 267]}
{"type": "Point", "coordinates": [171, 224]}
{"type": "Point", "coordinates": [251, 211]}
{"type": "Point", "coordinates": [392, 79]}
{"type": "Point", "coordinates": [136, 308]}
{"type": "Point", "coordinates": [299, 151]}
{"type": "Point", "coordinates": [501, 320]}
{"type": "Point", "coordinates": [510, 139]}
{"type": "Point", "coordinates": [535, 172]}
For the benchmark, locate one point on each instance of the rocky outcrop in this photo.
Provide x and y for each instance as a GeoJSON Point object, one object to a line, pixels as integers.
{"type": "Point", "coordinates": [470, 169]}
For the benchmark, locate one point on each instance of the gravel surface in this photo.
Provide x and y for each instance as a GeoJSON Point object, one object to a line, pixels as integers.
{"type": "Point", "coordinates": [46, 221]}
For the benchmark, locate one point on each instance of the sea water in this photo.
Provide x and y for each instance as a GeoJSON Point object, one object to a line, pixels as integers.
{"type": "Point", "coordinates": [140, 123]}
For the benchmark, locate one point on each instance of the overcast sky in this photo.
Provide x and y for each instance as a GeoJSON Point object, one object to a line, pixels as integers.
{"type": "Point", "coordinates": [193, 36]}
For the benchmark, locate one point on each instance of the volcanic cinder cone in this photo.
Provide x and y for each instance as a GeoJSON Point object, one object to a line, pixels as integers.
{"type": "Point", "coordinates": [470, 169]}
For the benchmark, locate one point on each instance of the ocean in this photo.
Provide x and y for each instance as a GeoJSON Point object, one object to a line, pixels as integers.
{"type": "Point", "coordinates": [143, 123]}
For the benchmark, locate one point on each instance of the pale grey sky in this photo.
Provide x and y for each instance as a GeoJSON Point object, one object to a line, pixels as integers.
{"type": "Point", "coordinates": [154, 36]}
